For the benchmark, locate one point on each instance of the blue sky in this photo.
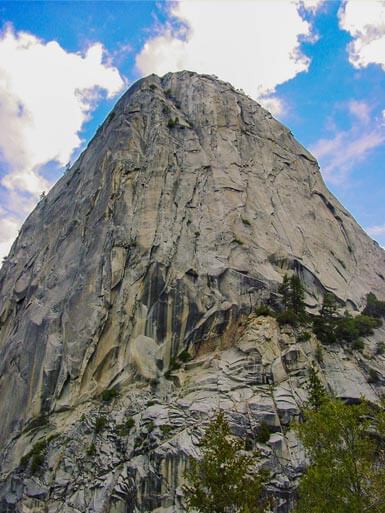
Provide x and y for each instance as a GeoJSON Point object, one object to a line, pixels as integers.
{"type": "Point", "coordinates": [318, 65]}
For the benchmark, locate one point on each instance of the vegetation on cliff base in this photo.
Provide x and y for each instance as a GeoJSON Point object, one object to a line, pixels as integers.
{"type": "Point", "coordinates": [374, 307]}
{"type": "Point", "coordinates": [316, 391]}
{"type": "Point", "coordinates": [225, 479]}
{"type": "Point", "coordinates": [293, 294]}
{"type": "Point", "coordinates": [329, 327]}
{"type": "Point", "coordinates": [109, 394]}
{"type": "Point", "coordinates": [36, 456]}
{"type": "Point", "coordinates": [345, 445]}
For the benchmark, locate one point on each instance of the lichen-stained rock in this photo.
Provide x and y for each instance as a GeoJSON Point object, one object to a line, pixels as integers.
{"type": "Point", "coordinates": [181, 216]}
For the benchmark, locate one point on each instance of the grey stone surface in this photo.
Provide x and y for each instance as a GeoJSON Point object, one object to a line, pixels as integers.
{"type": "Point", "coordinates": [142, 470]}
{"type": "Point", "coordinates": [182, 215]}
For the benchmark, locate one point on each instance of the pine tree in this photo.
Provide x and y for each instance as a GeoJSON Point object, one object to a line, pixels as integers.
{"type": "Point", "coordinates": [316, 391]}
{"type": "Point", "coordinates": [345, 447]}
{"type": "Point", "coordinates": [374, 307]}
{"type": "Point", "coordinates": [224, 480]}
{"type": "Point", "coordinates": [325, 325]}
{"type": "Point", "coordinates": [284, 290]}
{"type": "Point", "coordinates": [329, 307]}
{"type": "Point", "coordinates": [297, 295]}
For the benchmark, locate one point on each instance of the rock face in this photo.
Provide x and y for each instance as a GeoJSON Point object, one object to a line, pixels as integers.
{"type": "Point", "coordinates": [180, 217]}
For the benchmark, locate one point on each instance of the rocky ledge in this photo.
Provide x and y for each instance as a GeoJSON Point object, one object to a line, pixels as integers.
{"type": "Point", "coordinates": [127, 452]}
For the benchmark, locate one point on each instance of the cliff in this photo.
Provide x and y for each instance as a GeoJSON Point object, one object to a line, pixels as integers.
{"type": "Point", "coordinates": [180, 217]}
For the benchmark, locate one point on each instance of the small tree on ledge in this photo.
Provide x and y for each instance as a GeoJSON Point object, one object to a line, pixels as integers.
{"type": "Point", "coordinates": [293, 299]}
{"type": "Point", "coordinates": [224, 480]}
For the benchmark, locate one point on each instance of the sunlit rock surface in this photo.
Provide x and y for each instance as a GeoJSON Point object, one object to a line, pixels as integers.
{"type": "Point", "coordinates": [181, 216]}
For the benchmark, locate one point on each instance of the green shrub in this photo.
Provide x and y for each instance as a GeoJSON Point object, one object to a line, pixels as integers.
{"type": "Point", "coordinates": [130, 422]}
{"type": "Point", "coordinates": [109, 394]}
{"type": "Point", "coordinates": [304, 337]}
{"type": "Point", "coordinates": [351, 328]}
{"type": "Point", "coordinates": [100, 423]}
{"type": "Point", "coordinates": [24, 460]}
{"type": "Point", "coordinates": [263, 434]}
{"type": "Point", "coordinates": [125, 428]}
{"type": "Point", "coordinates": [35, 455]}
{"type": "Point", "coordinates": [380, 348]}
{"type": "Point", "coordinates": [287, 317]}
{"type": "Point", "coordinates": [184, 356]}
{"type": "Point", "coordinates": [174, 364]}
{"type": "Point", "coordinates": [166, 429]}
{"type": "Point", "coordinates": [373, 376]}
{"type": "Point", "coordinates": [330, 328]}
{"type": "Point", "coordinates": [366, 324]}
{"type": "Point", "coordinates": [91, 451]}
{"type": "Point", "coordinates": [172, 123]}
{"type": "Point", "coordinates": [374, 307]}
{"type": "Point", "coordinates": [358, 344]}
{"type": "Point", "coordinates": [36, 462]}
{"type": "Point", "coordinates": [324, 330]}
{"type": "Point", "coordinates": [263, 310]}
{"type": "Point", "coordinates": [347, 329]}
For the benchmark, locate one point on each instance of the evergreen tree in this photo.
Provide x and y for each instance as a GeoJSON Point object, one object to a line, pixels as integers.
{"type": "Point", "coordinates": [345, 446]}
{"type": "Point", "coordinates": [284, 290]}
{"type": "Point", "coordinates": [297, 295]}
{"type": "Point", "coordinates": [374, 307]}
{"type": "Point", "coordinates": [224, 480]}
{"type": "Point", "coordinates": [316, 391]}
{"type": "Point", "coordinates": [325, 325]}
{"type": "Point", "coordinates": [329, 307]}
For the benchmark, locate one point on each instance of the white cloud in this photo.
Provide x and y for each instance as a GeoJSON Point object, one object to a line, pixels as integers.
{"type": "Point", "coordinates": [46, 94]}
{"type": "Point", "coordinates": [376, 230]}
{"type": "Point", "coordinates": [340, 153]}
{"type": "Point", "coordinates": [365, 21]}
{"type": "Point", "coordinates": [273, 104]}
{"type": "Point", "coordinates": [361, 110]}
{"type": "Point", "coordinates": [8, 230]}
{"type": "Point", "coordinates": [312, 5]}
{"type": "Point", "coordinates": [253, 45]}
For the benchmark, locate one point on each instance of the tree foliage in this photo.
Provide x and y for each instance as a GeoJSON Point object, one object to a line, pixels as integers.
{"type": "Point", "coordinates": [284, 290]}
{"type": "Point", "coordinates": [329, 307]}
{"type": "Point", "coordinates": [297, 295]}
{"type": "Point", "coordinates": [374, 307]}
{"type": "Point", "coordinates": [225, 479]}
{"type": "Point", "coordinates": [331, 327]}
{"type": "Point", "coordinates": [316, 391]}
{"type": "Point", "coordinates": [345, 445]}
{"type": "Point", "coordinates": [293, 295]}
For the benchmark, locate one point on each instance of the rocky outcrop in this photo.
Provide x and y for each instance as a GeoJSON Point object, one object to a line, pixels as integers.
{"type": "Point", "coordinates": [135, 462]}
{"type": "Point", "coordinates": [180, 217]}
